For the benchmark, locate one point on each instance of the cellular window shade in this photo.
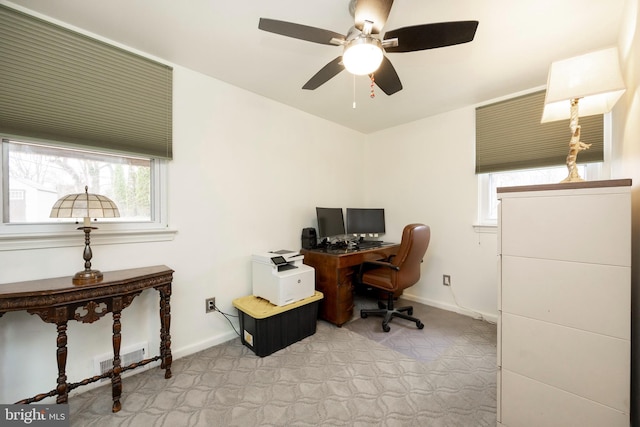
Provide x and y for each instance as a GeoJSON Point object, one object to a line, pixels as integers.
{"type": "Point", "coordinates": [509, 136]}
{"type": "Point", "coordinates": [59, 85]}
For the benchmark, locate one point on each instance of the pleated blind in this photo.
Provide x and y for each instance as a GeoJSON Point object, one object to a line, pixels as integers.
{"type": "Point", "coordinates": [59, 85]}
{"type": "Point", "coordinates": [509, 136]}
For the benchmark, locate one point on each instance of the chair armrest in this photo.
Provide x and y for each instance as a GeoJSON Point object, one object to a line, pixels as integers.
{"type": "Point", "coordinates": [383, 264]}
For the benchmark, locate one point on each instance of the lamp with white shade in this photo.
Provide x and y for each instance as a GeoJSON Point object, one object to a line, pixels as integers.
{"type": "Point", "coordinates": [582, 86]}
{"type": "Point", "coordinates": [85, 205]}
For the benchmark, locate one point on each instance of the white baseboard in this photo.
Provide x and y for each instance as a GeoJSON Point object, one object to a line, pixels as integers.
{"type": "Point", "coordinates": [175, 354]}
{"type": "Point", "coordinates": [489, 317]}
{"type": "Point", "coordinates": [203, 345]}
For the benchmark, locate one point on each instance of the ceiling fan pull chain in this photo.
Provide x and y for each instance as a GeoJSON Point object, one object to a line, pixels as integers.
{"type": "Point", "coordinates": [373, 80]}
{"type": "Point", "coordinates": [354, 91]}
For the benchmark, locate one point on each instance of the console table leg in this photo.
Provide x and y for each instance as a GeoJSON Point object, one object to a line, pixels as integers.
{"type": "Point", "coordinates": [165, 325]}
{"type": "Point", "coordinates": [116, 380]}
{"type": "Point", "coordinates": [61, 353]}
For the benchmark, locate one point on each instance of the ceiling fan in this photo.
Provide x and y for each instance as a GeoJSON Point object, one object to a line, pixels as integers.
{"type": "Point", "coordinates": [363, 47]}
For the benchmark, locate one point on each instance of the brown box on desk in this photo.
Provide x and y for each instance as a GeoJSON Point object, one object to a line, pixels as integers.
{"type": "Point", "coordinates": [266, 328]}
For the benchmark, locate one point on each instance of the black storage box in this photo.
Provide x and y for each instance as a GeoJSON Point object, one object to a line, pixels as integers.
{"type": "Point", "coordinates": [267, 328]}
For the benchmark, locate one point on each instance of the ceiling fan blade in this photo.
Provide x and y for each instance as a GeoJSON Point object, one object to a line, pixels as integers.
{"type": "Point", "coordinates": [325, 74]}
{"type": "Point", "coordinates": [386, 78]}
{"type": "Point", "coordinates": [431, 36]}
{"type": "Point", "coordinates": [297, 31]}
{"type": "Point", "coordinates": [376, 11]}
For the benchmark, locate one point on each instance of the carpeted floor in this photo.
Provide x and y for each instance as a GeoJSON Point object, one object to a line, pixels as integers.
{"type": "Point", "coordinates": [357, 375]}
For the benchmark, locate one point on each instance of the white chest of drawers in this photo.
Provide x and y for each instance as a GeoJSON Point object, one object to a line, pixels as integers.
{"type": "Point", "coordinates": [564, 255]}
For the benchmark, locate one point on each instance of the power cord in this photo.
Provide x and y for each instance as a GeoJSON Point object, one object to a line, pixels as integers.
{"type": "Point", "coordinates": [479, 316]}
{"type": "Point", "coordinates": [226, 316]}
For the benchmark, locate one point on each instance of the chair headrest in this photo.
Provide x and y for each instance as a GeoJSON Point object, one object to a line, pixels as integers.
{"type": "Point", "coordinates": [414, 243]}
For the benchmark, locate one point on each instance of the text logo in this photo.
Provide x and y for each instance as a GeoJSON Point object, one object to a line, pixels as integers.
{"type": "Point", "coordinates": [34, 415]}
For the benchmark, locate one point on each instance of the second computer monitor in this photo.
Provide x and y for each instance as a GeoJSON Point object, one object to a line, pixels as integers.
{"type": "Point", "coordinates": [365, 221]}
{"type": "Point", "coordinates": [330, 222]}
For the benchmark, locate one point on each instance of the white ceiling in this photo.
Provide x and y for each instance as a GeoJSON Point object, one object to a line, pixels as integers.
{"type": "Point", "coordinates": [514, 45]}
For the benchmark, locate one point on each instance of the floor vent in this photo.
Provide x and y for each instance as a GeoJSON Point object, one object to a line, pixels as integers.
{"type": "Point", "coordinates": [128, 355]}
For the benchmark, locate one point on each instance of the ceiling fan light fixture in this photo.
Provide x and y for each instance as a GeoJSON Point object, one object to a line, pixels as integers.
{"type": "Point", "coordinates": [362, 55]}
{"type": "Point", "coordinates": [365, 46]}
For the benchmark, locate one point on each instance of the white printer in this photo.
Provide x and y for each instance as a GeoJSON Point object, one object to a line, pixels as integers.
{"type": "Point", "coordinates": [281, 278]}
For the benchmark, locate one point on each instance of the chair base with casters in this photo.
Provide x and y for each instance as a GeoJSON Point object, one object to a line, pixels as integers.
{"type": "Point", "coordinates": [389, 312]}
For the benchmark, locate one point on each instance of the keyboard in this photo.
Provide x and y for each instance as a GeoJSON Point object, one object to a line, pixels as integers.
{"type": "Point", "coordinates": [369, 244]}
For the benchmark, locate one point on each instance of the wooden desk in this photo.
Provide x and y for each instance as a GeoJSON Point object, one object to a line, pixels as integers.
{"type": "Point", "coordinates": [58, 301]}
{"type": "Point", "coordinates": [335, 271]}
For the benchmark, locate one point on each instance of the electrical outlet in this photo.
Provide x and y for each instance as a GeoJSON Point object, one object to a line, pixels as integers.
{"type": "Point", "coordinates": [210, 304]}
{"type": "Point", "coordinates": [446, 280]}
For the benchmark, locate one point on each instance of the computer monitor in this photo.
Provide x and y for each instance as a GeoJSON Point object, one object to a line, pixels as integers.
{"type": "Point", "coordinates": [365, 221]}
{"type": "Point", "coordinates": [330, 222]}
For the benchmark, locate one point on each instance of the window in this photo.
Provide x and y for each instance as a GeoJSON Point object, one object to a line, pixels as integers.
{"type": "Point", "coordinates": [489, 182]}
{"type": "Point", "coordinates": [513, 148]}
{"type": "Point", "coordinates": [79, 111]}
{"type": "Point", "coordinates": [35, 175]}
{"type": "Point", "coordinates": [42, 174]}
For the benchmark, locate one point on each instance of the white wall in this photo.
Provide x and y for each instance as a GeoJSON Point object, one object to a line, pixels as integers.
{"type": "Point", "coordinates": [426, 174]}
{"type": "Point", "coordinates": [626, 152]}
{"type": "Point", "coordinates": [246, 176]}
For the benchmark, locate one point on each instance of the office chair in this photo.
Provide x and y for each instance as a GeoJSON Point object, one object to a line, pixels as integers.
{"type": "Point", "coordinates": [396, 273]}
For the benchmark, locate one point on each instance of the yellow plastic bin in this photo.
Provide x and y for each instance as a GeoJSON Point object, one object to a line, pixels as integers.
{"type": "Point", "coordinates": [267, 328]}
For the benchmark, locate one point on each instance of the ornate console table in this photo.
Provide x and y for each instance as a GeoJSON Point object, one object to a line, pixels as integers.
{"type": "Point", "coordinates": [58, 301]}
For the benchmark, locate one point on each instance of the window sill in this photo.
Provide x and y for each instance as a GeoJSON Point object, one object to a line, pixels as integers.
{"type": "Point", "coordinates": [13, 242]}
{"type": "Point", "coordinates": [485, 228]}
